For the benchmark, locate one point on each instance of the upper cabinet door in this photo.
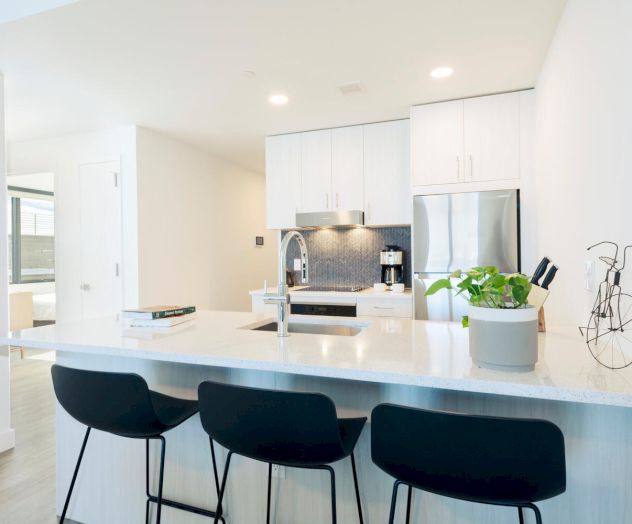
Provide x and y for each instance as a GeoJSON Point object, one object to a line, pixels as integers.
{"type": "Point", "coordinates": [388, 199]}
{"type": "Point", "coordinates": [347, 167]}
{"type": "Point", "coordinates": [316, 171]}
{"type": "Point", "coordinates": [492, 137]}
{"type": "Point", "coordinates": [437, 143]}
{"type": "Point", "coordinates": [283, 180]}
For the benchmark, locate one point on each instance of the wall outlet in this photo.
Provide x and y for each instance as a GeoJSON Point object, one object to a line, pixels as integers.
{"type": "Point", "coordinates": [589, 275]}
{"type": "Point", "coordinates": [297, 264]}
{"type": "Point", "coordinates": [278, 471]}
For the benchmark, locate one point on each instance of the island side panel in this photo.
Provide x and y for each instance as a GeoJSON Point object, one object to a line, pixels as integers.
{"type": "Point", "coordinates": [110, 487]}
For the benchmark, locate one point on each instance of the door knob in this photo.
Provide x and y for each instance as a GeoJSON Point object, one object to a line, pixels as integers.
{"type": "Point", "coordinates": [84, 287]}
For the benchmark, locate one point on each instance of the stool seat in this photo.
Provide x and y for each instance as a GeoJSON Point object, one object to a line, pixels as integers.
{"type": "Point", "coordinates": [491, 460]}
{"type": "Point", "coordinates": [122, 404]}
{"type": "Point", "coordinates": [172, 411]}
{"type": "Point", "coordinates": [288, 428]}
{"type": "Point", "coordinates": [350, 429]}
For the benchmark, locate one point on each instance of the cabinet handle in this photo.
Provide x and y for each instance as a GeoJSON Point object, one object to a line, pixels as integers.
{"type": "Point", "coordinates": [326, 200]}
{"type": "Point", "coordinates": [471, 168]}
{"type": "Point", "coordinates": [337, 204]}
{"type": "Point", "coordinates": [458, 167]}
{"type": "Point", "coordinates": [382, 307]}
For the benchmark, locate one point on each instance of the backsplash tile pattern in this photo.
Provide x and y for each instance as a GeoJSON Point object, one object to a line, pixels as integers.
{"type": "Point", "coordinates": [349, 256]}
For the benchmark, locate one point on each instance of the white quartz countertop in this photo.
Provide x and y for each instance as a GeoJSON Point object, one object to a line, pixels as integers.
{"type": "Point", "coordinates": [388, 350]}
{"type": "Point", "coordinates": [369, 292]}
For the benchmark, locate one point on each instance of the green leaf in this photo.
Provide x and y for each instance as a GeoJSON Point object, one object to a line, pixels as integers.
{"type": "Point", "coordinates": [443, 283]}
{"type": "Point", "coordinates": [456, 274]}
{"type": "Point", "coordinates": [465, 321]}
{"type": "Point", "coordinates": [491, 270]}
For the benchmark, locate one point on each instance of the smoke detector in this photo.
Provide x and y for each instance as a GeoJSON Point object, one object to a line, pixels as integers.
{"type": "Point", "coordinates": [352, 88]}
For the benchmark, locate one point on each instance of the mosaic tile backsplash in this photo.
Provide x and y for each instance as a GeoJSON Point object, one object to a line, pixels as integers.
{"type": "Point", "coordinates": [349, 256]}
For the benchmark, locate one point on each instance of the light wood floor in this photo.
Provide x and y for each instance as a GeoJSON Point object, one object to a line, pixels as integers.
{"type": "Point", "coordinates": [27, 472]}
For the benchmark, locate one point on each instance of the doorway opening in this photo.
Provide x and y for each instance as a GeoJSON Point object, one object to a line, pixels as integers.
{"type": "Point", "coordinates": [31, 228]}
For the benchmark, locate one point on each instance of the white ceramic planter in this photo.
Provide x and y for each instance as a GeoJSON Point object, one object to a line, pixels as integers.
{"type": "Point", "coordinates": [504, 339]}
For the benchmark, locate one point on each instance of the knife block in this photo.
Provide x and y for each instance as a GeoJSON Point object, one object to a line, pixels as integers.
{"type": "Point", "coordinates": [541, 321]}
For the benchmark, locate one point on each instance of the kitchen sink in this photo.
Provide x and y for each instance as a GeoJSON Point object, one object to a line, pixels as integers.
{"type": "Point", "coordinates": [312, 328]}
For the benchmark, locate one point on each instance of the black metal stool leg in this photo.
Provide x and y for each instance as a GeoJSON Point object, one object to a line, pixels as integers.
{"type": "Point", "coordinates": [220, 509]}
{"type": "Point", "coordinates": [410, 493]}
{"type": "Point", "coordinates": [334, 519]}
{"type": "Point", "coordinates": [538, 516]}
{"type": "Point", "coordinates": [357, 489]}
{"type": "Point", "coordinates": [161, 478]}
{"type": "Point", "coordinates": [521, 515]}
{"type": "Point", "coordinates": [222, 488]}
{"type": "Point", "coordinates": [74, 476]}
{"type": "Point", "coordinates": [269, 491]}
{"type": "Point", "coordinates": [391, 517]}
{"type": "Point", "coordinates": [147, 480]}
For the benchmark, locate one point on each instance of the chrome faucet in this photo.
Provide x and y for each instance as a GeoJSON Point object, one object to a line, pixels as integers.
{"type": "Point", "coordinates": [282, 296]}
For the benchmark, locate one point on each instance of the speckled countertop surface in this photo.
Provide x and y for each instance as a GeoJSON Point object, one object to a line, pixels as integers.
{"type": "Point", "coordinates": [387, 350]}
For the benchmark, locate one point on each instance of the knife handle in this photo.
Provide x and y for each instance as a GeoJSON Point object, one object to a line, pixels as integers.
{"type": "Point", "coordinates": [539, 271]}
{"type": "Point", "coordinates": [549, 277]}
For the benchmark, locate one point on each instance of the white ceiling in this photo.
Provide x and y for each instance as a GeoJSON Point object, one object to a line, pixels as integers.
{"type": "Point", "coordinates": [178, 66]}
{"type": "Point", "coordinates": [14, 9]}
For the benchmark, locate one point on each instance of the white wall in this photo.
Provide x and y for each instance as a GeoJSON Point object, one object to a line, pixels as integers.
{"type": "Point", "coordinates": [7, 437]}
{"type": "Point", "coordinates": [63, 156]}
{"type": "Point", "coordinates": [584, 135]}
{"type": "Point", "coordinates": [197, 221]}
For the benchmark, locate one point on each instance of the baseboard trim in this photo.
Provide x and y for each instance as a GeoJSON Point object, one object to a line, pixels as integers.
{"type": "Point", "coordinates": [7, 440]}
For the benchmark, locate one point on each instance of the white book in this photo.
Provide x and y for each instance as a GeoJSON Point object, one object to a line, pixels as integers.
{"type": "Point", "coordinates": [161, 322]}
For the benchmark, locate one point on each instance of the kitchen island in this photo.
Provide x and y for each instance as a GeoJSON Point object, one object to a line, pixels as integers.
{"type": "Point", "coordinates": [424, 364]}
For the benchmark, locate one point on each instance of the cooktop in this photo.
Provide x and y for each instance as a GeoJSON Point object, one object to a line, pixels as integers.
{"type": "Point", "coordinates": [352, 289]}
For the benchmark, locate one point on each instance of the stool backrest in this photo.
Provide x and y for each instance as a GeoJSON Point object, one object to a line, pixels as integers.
{"type": "Point", "coordinates": [274, 426]}
{"type": "Point", "coordinates": [118, 403]}
{"type": "Point", "coordinates": [477, 458]}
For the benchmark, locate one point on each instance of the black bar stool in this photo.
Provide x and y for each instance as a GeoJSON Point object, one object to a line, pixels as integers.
{"type": "Point", "coordinates": [122, 404]}
{"type": "Point", "coordinates": [299, 430]}
{"type": "Point", "coordinates": [491, 460]}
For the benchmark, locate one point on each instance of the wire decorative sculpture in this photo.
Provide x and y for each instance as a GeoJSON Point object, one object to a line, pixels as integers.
{"type": "Point", "coordinates": [609, 330]}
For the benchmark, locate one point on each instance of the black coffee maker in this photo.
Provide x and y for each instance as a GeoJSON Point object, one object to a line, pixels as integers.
{"type": "Point", "coordinates": [392, 261]}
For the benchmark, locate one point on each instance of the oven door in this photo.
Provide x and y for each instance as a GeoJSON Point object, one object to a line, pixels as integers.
{"type": "Point", "coordinates": [334, 306]}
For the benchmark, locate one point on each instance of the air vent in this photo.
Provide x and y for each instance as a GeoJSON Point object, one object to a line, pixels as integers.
{"type": "Point", "coordinates": [352, 88]}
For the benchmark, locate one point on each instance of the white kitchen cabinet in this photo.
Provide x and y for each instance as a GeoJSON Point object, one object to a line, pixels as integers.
{"type": "Point", "coordinates": [492, 137]}
{"type": "Point", "coordinates": [385, 307]}
{"type": "Point", "coordinates": [437, 136]}
{"type": "Point", "coordinates": [469, 142]}
{"type": "Point", "coordinates": [283, 180]}
{"type": "Point", "coordinates": [316, 171]}
{"type": "Point", "coordinates": [388, 199]}
{"type": "Point", "coordinates": [347, 167]}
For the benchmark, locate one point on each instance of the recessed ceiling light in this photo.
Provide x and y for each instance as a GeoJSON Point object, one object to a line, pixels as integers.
{"type": "Point", "coordinates": [278, 100]}
{"type": "Point", "coordinates": [441, 72]}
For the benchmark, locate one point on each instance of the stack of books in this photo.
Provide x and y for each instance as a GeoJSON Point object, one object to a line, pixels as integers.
{"type": "Point", "coordinates": [159, 316]}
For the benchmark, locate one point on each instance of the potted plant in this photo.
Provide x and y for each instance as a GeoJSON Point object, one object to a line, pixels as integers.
{"type": "Point", "coordinates": [503, 326]}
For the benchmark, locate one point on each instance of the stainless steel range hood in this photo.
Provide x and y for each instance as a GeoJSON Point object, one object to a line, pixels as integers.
{"type": "Point", "coordinates": [330, 218]}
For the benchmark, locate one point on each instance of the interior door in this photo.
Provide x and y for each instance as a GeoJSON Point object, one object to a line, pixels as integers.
{"type": "Point", "coordinates": [101, 281]}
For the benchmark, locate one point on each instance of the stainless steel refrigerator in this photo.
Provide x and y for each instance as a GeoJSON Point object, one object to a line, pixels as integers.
{"type": "Point", "coordinates": [459, 231]}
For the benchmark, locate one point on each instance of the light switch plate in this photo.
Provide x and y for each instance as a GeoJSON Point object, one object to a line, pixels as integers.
{"type": "Point", "coordinates": [589, 275]}
{"type": "Point", "coordinates": [297, 264]}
